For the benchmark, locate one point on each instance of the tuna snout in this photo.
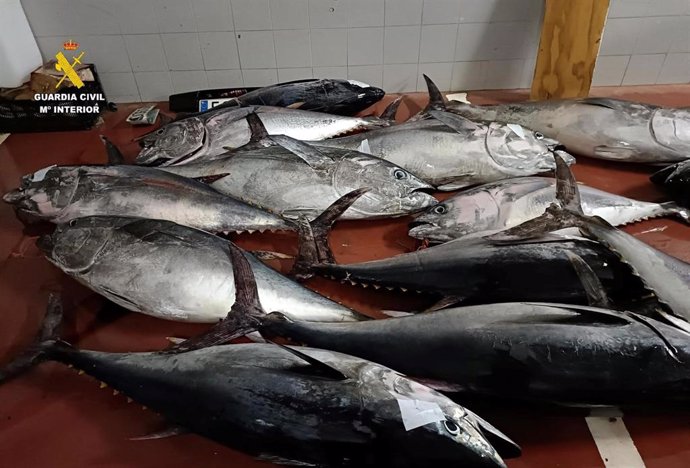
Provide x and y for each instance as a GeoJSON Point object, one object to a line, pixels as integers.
{"type": "Point", "coordinates": [14, 196]}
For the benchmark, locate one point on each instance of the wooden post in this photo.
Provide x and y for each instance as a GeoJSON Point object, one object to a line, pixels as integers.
{"type": "Point", "coordinates": [568, 48]}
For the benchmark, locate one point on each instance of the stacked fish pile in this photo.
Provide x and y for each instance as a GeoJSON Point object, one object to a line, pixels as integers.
{"type": "Point", "coordinates": [538, 296]}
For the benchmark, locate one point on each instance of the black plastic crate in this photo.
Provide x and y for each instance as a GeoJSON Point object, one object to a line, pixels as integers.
{"type": "Point", "coordinates": [24, 116]}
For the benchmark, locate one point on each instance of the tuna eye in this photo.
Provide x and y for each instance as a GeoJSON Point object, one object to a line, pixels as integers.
{"type": "Point", "coordinates": [399, 174]}
{"type": "Point", "coordinates": [73, 223]}
{"type": "Point", "coordinates": [538, 135]}
{"type": "Point", "coordinates": [451, 427]}
{"type": "Point", "coordinates": [440, 209]}
{"type": "Point", "coordinates": [159, 131]}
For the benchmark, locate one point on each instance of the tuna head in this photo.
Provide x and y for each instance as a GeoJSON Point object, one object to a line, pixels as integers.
{"type": "Point", "coordinates": [172, 142]}
{"type": "Point", "coordinates": [519, 151]}
{"type": "Point", "coordinates": [363, 94]}
{"type": "Point", "coordinates": [393, 191]}
{"type": "Point", "coordinates": [74, 247]}
{"type": "Point", "coordinates": [425, 427]}
{"type": "Point", "coordinates": [46, 193]}
{"type": "Point", "coordinates": [457, 217]}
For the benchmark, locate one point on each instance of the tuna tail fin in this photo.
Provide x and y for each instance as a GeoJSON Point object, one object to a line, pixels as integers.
{"type": "Point", "coordinates": [45, 341]}
{"type": "Point", "coordinates": [392, 109]}
{"type": "Point", "coordinates": [313, 235]}
{"type": "Point", "coordinates": [564, 213]}
{"type": "Point", "coordinates": [245, 315]}
{"type": "Point", "coordinates": [677, 210]}
{"type": "Point", "coordinates": [115, 157]}
{"type": "Point", "coordinates": [662, 175]}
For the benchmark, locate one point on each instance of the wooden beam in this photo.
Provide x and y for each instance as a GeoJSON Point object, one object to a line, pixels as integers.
{"type": "Point", "coordinates": [568, 48]}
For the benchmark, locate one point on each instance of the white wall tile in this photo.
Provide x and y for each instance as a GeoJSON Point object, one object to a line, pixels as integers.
{"type": "Point", "coordinates": [290, 14]}
{"type": "Point", "coordinates": [174, 16]}
{"type": "Point", "coordinates": [120, 87]}
{"type": "Point", "coordinates": [364, 13]}
{"type": "Point", "coordinates": [516, 10]}
{"type": "Point", "coordinates": [224, 78]}
{"type": "Point", "coordinates": [401, 44]}
{"type": "Point", "coordinates": [251, 15]}
{"type": "Point", "coordinates": [620, 35]}
{"type": "Point", "coordinates": [329, 47]}
{"type": "Point", "coordinates": [400, 78]}
{"type": "Point", "coordinates": [330, 72]}
{"type": "Point", "coordinates": [477, 11]}
{"type": "Point", "coordinates": [528, 73]}
{"type": "Point", "coordinates": [264, 77]}
{"type": "Point", "coordinates": [438, 43]}
{"type": "Point", "coordinates": [256, 49]}
{"type": "Point", "coordinates": [213, 15]}
{"type": "Point", "coordinates": [643, 69]}
{"type": "Point", "coordinates": [440, 73]}
{"type": "Point", "coordinates": [219, 50]}
{"type": "Point", "coordinates": [682, 42]}
{"type": "Point", "coordinates": [182, 51]}
{"type": "Point", "coordinates": [47, 19]}
{"type": "Point", "coordinates": [468, 75]}
{"type": "Point", "coordinates": [154, 86]}
{"type": "Point", "coordinates": [146, 52]}
{"type": "Point", "coordinates": [504, 74]}
{"type": "Point", "coordinates": [93, 17]}
{"type": "Point", "coordinates": [184, 81]}
{"type": "Point", "coordinates": [676, 69]}
{"type": "Point", "coordinates": [135, 16]}
{"type": "Point", "coordinates": [440, 12]}
{"type": "Point", "coordinates": [403, 12]}
{"type": "Point", "coordinates": [657, 35]}
{"type": "Point", "coordinates": [364, 46]}
{"type": "Point", "coordinates": [470, 42]}
{"type": "Point", "coordinates": [668, 8]}
{"type": "Point", "coordinates": [628, 8]}
{"type": "Point", "coordinates": [609, 71]}
{"type": "Point", "coordinates": [293, 48]}
{"type": "Point", "coordinates": [327, 14]}
{"type": "Point", "coordinates": [107, 52]}
{"type": "Point", "coordinates": [292, 74]}
{"type": "Point", "coordinates": [370, 74]}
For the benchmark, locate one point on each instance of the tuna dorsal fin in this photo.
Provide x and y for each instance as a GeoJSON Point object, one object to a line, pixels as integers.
{"type": "Point", "coordinates": [596, 294]}
{"type": "Point", "coordinates": [436, 99]}
{"type": "Point", "coordinates": [313, 235]}
{"type": "Point", "coordinates": [257, 128]}
{"type": "Point", "coordinates": [114, 154]}
{"type": "Point", "coordinates": [503, 444]}
{"type": "Point", "coordinates": [245, 314]}
{"type": "Point", "coordinates": [566, 212]}
{"type": "Point", "coordinates": [308, 153]}
{"type": "Point", "coordinates": [458, 123]}
{"type": "Point", "coordinates": [321, 368]}
{"type": "Point", "coordinates": [392, 109]}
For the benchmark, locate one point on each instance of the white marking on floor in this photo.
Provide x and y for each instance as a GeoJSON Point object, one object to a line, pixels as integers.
{"type": "Point", "coordinates": [612, 438]}
{"type": "Point", "coordinates": [3, 137]}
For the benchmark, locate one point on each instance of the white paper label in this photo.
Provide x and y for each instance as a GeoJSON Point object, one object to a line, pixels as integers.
{"type": "Point", "coordinates": [519, 131]}
{"type": "Point", "coordinates": [41, 174]}
{"type": "Point", "coordinates": [364, 147]}
{"type": "Point", "coordinates": [418, 413]}
{"type": "Point", "coordinates": [358, 83]}
{"type": "Point", "coordinates": [459, 97]}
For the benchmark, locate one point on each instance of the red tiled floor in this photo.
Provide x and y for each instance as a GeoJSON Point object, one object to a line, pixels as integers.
{"type": "Point", "coordinates": [52, 417]}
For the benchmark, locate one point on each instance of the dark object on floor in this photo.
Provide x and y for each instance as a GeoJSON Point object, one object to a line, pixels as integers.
{"type": "Point", "coordinates": [675, 179]}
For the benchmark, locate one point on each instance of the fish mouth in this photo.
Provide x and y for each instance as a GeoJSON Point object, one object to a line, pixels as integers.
{"type": "Point", "coordinates": [420, 229]}
{"type": "Point", "coordinates": [14, 196]}
{"type": "Point", "coordinates": [421, 199]}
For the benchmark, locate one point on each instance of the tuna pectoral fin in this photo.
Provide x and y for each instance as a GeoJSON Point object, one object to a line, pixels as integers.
{"type": "Point", "coordinates": [444, 302]}
{"type": "Point", "coordinates": [319, 368]}
{"type": "Point", "coordinates": [46, 340]}
{"type": "Point", "coordinates": [454, 121]}
{"type": "Point", "coordinates": [209, 179]}
{"type": "Point", "coordinates": [308, 153]}
{"type": "Point", "coordinates": [170, 431]}
{"type": "Point", "coordinates": [392, 109]}
{"type": "Point", "coordinates": [244, 316]}
{"type": "Point", "coordinates": [616, 153]}
{"type": "Point", "coordinates": [505, 446]}
{"type": "Point", "coordinates": [114, 154]}
{"type": "Point", "coordinates": [596, 294]}
{"type": "Point", "coordinates": [313, 236]}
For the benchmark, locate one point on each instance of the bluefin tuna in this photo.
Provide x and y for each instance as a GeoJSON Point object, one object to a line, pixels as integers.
{"type": "Point", "coordinates": [496, 206]}
{"type": "Point", "coordinates": [208, 135]}
{"type": "Point", "coordinates": [602, 128]}
{"type": "Point", "coordinates": [62, 193]}
{"type": "Point", "coordinates": [294, 406]}
{"type": "Point", "coordinates": [293, 178]}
